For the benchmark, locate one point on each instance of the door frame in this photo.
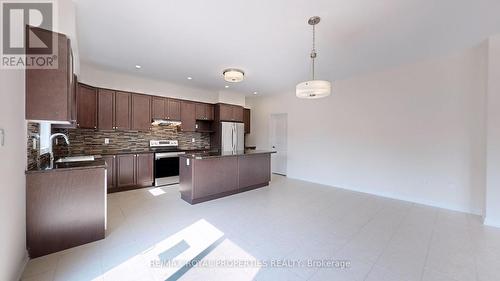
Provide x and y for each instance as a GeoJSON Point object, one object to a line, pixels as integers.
{"type": "Point", "coordinates": [285, 117]}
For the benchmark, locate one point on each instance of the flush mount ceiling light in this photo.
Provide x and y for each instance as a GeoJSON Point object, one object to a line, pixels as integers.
{"type": "Point", "coordinates": [233, 75]}
{"type": "Point", "coordinates": [313, 89]}
{"type": "Point", "coordinates": [138, 66]}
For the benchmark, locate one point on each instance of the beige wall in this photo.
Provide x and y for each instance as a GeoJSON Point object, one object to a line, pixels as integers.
{"type": "Point", "coordinates": [12, 179]}
{"type": "Point", "coordinates": [416, 132]}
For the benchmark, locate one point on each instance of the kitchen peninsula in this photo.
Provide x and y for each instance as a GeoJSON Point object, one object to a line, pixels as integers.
{"type": "Point", "coordinates": [211, 175]}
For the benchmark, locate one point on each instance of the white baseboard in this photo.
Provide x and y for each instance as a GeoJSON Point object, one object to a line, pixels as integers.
{"type": "Point", "coordinates": [403, 198]}
{"type": "Point", "coordinates": [491, 222]}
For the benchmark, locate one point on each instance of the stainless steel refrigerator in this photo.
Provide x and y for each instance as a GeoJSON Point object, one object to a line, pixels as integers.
{"type": "Point", "coordinates": [233, 136]}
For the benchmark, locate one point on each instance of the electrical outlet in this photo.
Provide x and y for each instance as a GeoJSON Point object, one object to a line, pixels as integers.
{"type": "Point", "coordinates": [106, 141]}
{"type": "Point", "coordinates": [34, 143]}
{"type": "Point", "coordinates": [193, 140]}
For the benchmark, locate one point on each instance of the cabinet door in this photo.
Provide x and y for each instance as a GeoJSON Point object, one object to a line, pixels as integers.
{"type": "Point", "coordinates": [246, 120]}
{"type": "Point", "coordinates": [201, 111]}
{"type": "Point", "coordinates": [210, 112]}
{"type": "Point", "coordinates": [158, 108]}
{"type": "Point", "coordinates": [237, 113]}
{"type": "Point", "coordinates": [188, 117]}
{"type": "Point", "coordinates": [141, 112]}
{"type": "Point", "coordinates": [125, 170]}
{"type": "Point", "coordinates": [47, 90]}
{"type": "Point", "coordinates": [122, 111]}
{"type": "Point", "coordinates": [106, 107]}
{"type": "Point", "coordinates": [111, 171]}
{"type": "Point", "coordinates": [225, 112]}
{"type": "Point", "coordinates": [144, 170]}
{"type": "Point", "coordinates": [86, 100]}
{"type": "Point", "coordinates": [174, 110]}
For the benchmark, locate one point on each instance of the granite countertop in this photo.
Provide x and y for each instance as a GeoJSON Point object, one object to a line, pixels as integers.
{"type": "Point", "coordinates": [139, 151]}
{"type": "Point", "coordinates": [215, 154]}
{"type": "Point", "coordinates": [98, 162]}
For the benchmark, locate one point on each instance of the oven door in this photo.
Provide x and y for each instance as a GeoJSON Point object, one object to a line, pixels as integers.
{"type": "Point", "coordinates": [167, 168]}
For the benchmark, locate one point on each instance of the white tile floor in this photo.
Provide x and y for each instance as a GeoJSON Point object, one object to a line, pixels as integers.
{"type": "Point", "coordinates": [291, 220]}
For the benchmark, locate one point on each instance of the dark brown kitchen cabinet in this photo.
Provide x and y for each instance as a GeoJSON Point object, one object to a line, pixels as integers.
{"type": "Point", "coordinates": [228, 112]}
{"type": "Point", "coordinates": [106, 109]}
{"type": "Point", "coordinates": [165, 108]}
{"type": "Point", "coordinates": [49, 91]}
{"type": "Point", "coordinates": [141, 112]}
{"type": "Point", "coordinates": [134, 171]}
{"type": "Point", "coordinates": [144, 170]}
{"type": "Point", "coordinates": [246, 120]}
{"type": "Point", "coordinates": [110, 171]}
{"type": "Point", "coordinates": [86, 100]}
{"type": "Point", "coordinates": [158, 108]}
{"type": "Point", "coordinates": [204, 112]}
{"type": "Point", "coordinates": [122, 110]}
{"type": "Point", "coordinates": [125, 171]}
{"type": "Point", "coordinates": [188, 116]}
{"type": "Point", "coordinates": [174, 109]}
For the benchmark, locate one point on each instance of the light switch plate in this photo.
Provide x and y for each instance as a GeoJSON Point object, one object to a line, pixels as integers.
{"type": "Point", "coordinates": [106, 141]}
{"type": "Point", "coordinates": [2, 137]}
{"type": "Point", "coordinates": [193, 140]}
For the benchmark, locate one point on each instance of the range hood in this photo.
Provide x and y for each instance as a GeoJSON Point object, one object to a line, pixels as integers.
{"type": "Point", "coordinates": [164, 122]}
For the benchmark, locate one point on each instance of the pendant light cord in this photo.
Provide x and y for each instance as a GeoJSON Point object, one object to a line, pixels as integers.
{"type": "Point", "coordinates": [313, 52]}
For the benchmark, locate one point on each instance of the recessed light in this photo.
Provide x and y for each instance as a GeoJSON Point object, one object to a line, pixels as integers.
{"type": "Point", "coordinates": [138, 66]}
{"type": "Point", "coordinates": [255, 93]}
{"type": "Point", "coordinates": [190, 78]}
{"type": "Point", "coordinates": [226, 86]}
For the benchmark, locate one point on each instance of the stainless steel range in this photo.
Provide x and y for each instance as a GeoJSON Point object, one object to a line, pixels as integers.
{"type": "Point", "coordinates": [166, 166]}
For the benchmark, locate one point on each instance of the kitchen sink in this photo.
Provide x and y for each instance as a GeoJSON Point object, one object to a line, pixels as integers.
{"type": "Point", "coordinates": [75, 159]}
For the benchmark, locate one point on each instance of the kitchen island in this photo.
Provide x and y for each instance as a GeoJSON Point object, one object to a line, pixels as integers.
{"type": "Point", "coordinates": [211, 175]}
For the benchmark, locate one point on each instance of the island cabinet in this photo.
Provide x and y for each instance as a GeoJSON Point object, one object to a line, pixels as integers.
{"type": "Point", "coordinates": [203, 178]}
{"type": "Point", "coordinates": [65, 208]}
{"type": "Point", "coordinates": [133, 171]}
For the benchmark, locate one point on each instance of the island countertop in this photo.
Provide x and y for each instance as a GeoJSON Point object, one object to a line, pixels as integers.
{"type": "Point", "coordinates": [216, 154]}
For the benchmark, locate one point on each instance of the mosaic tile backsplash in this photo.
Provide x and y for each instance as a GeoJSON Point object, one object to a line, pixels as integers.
{"type": "Point", "coordinates": [91, 142]}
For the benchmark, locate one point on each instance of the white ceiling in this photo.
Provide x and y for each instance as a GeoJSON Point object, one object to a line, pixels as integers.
{"type": "Point", "coordinates": [270, 39]}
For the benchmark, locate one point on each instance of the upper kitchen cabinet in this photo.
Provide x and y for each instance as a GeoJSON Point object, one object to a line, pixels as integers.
{"type": "Point", "coordinates": [158, 108]}
{"type": "Point", "coordinates": [204, 112]}
{"type": "Point", "coordinates": [246, 120]}
{"type": "Point", "coordinates": [188, 116]}
{"type": "Point", "coordinates": [141, 112]}
{"type": "Point", "coordinates": [174, 109]}
{"type": "Point", "coordinates": [105, 109]}
{"type": "Point", "coordinates": [86, 100]}
{"type": "Point", "coordinates": [122, 110]}
{"type": "Point", "coordinates": [228, 112]}
{"type": "Point", "coordinates": [49, 92]}
{"type": "Point", "coordinates": [165, 108]}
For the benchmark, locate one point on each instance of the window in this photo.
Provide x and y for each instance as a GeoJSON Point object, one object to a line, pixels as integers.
{"type": "Point", "coordinates": [44, 137]}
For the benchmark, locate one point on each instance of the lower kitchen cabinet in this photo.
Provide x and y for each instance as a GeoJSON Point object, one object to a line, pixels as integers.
{"type": "Point", "coordinates": [132, 171]}
{"type": "Point", "coordinates": [144, 170]}
{"type": "Point", "coordinates": [110, 171]}
{"type": "Point", "coordinates": [125, 172]}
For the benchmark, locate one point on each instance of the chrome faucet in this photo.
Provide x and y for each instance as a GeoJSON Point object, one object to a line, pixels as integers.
{"type": "Point", "coordinates": [51, 139]}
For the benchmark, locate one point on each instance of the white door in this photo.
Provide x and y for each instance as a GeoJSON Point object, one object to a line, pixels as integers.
{"type": "Point", "coordinates": [278, 142]}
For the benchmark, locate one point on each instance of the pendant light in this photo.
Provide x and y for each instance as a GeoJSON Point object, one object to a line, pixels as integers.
{"type": "Point", "coordinates": [313, 89]}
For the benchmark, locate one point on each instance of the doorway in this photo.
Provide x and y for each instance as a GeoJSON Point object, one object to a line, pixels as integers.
{"type": "Point", "coordinates": [278, 142]}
